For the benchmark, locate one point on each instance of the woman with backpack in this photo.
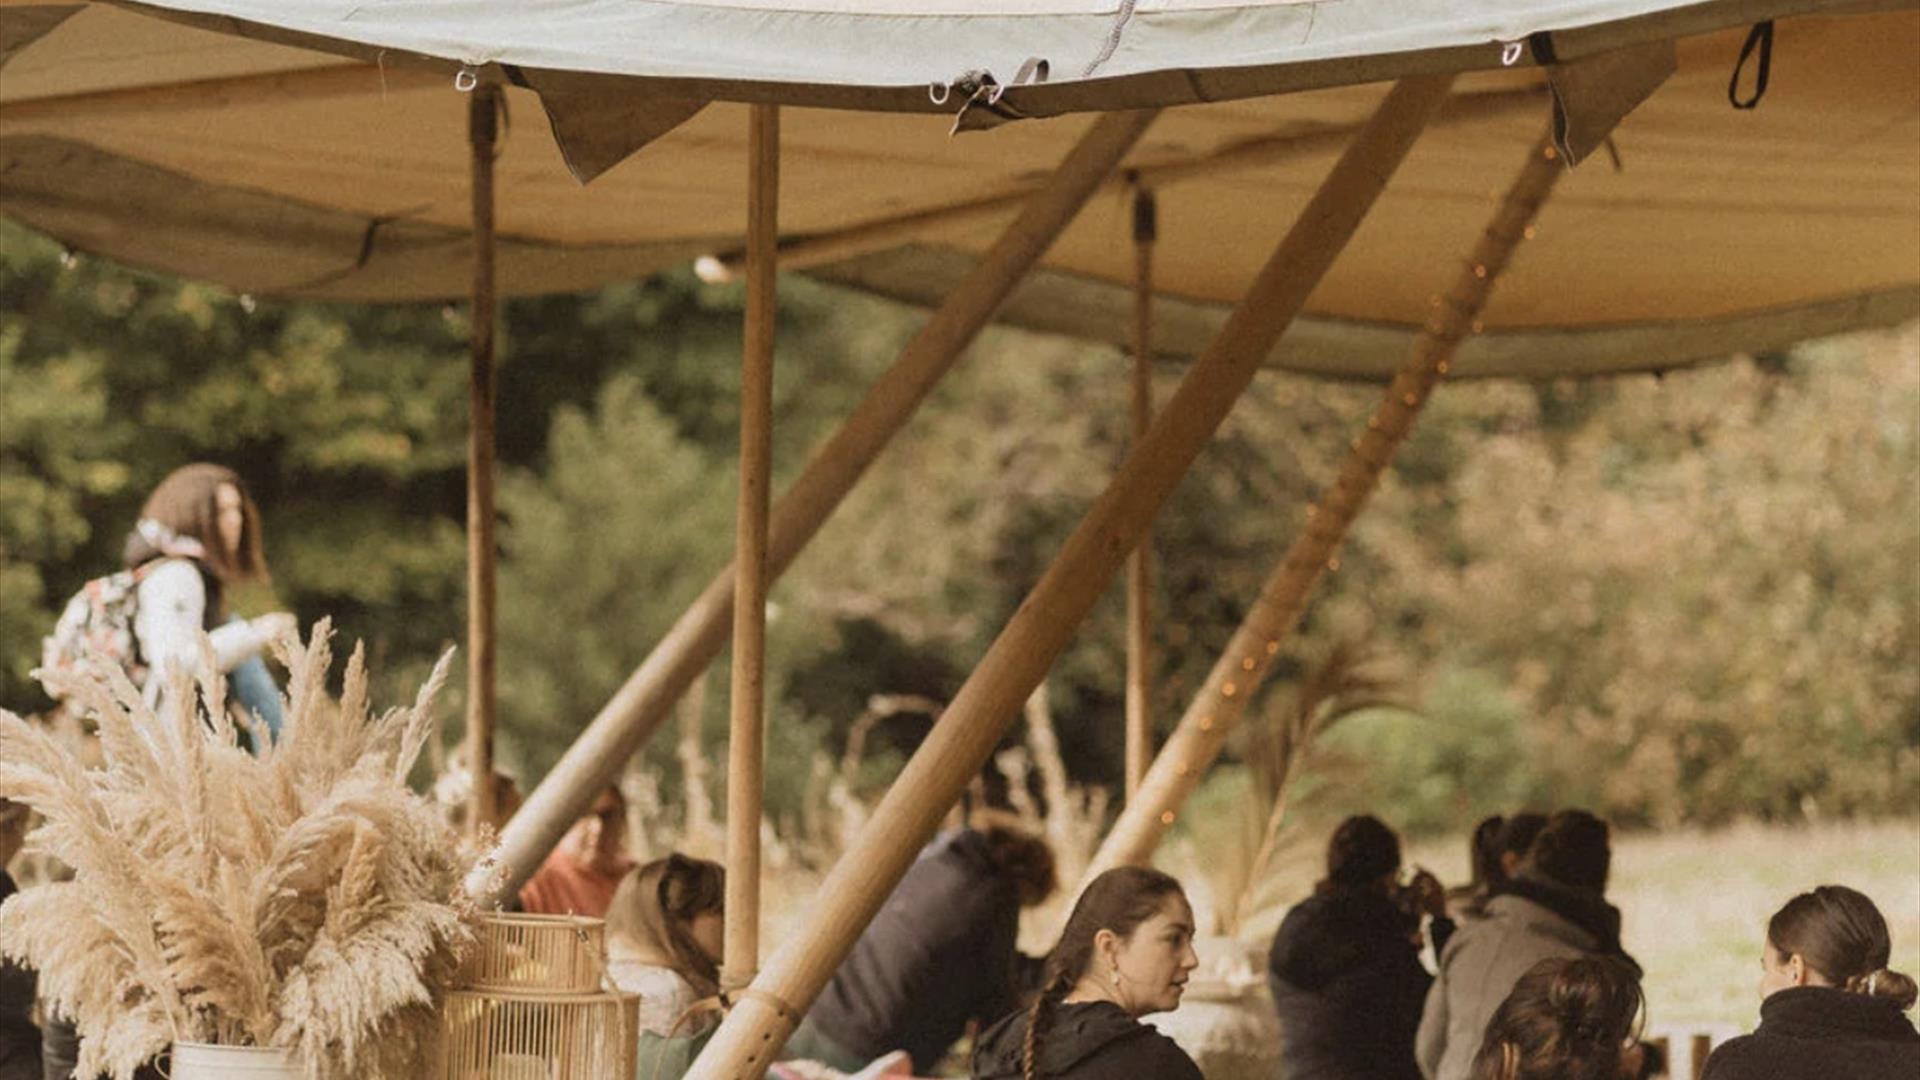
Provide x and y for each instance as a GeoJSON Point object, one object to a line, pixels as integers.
{"type": "Point", "coordinates": [1126, 952]}
{"type": "Point", "coordinates": [198, 535]}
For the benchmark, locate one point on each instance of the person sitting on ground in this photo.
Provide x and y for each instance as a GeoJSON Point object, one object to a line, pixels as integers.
{"type": "Point", "coordinates": [1568, 1018]}
{"type": "Point", "coordinates": [664, 941]}
{"type": "Point", "coordinates": [199, 536]}
{"type": "Point", "coordinates": [19, 1035]}
{"type": "Point", "coordinates": [1829, 1009]}
{"type": "Point", "coordinates": [1553, 907]}
{"type": "Point", "coordinates": [1345, 964]}
{"type": "Point", "coordinates": [939, 956]}
{"type": "Point", "coordinates": [1126, 952]}
{"type": "Point", "coordinates": [580, 876]}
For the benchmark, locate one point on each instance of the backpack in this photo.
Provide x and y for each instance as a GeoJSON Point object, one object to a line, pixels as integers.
{"type": "Point", "coordinates": [98, 623]}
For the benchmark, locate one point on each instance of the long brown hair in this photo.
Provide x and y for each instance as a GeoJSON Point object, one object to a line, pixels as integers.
{"type": "Point", "coordinates": [1118, 900]}
{"type": "Point", "coordinates": [1840, 934]}
{"type": "Point", "coordinates": [655, 905]}
{"type": "Point", "coordinates": [1566, 1019]}
{"type": "Point", "coordinates": [185, 504]}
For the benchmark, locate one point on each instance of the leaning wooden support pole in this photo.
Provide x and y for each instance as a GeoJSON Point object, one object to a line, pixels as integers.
{"type": "Point", "coordinates": [746, 746]}
{"type": "Point", "coordinates": [1203, 730]}
{"type": "Point", "coordinates": [979, 715]}
{"type": "Point", "coordinates": [483, 111]}
{"type": "Point", "coordinates": [645, 700]}
{"type": "Point", "coordinates": [1139, 741]}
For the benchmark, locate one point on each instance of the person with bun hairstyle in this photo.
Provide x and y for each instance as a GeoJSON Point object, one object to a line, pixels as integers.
{"type": "Point", "coordinates": [1829, 1008]}
{"type": "Point", "coordinates": [1568, 1018]}
{"type": "Point", "coordinates": [1126, 952]}
{"type": "Point", "coordinates": [665, 934]}
{"type": "Point", "coordinates": [1344, 967]}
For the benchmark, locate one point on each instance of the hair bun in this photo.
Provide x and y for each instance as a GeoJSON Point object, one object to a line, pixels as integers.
{"type": "Point", "coordinates": [1886, 985]}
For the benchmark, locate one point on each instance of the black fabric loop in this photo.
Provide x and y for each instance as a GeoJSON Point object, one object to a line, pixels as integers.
{"type": "Point", "coordinates": [1541, 43]}
{"type": "Point", "coordinates": [1760, 37]}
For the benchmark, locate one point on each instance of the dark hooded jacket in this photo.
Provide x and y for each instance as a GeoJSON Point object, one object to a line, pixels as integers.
{"type": "Point", "coordinates": [1349, 986]}
{"type": "Point", "coordinates": [1819, 1033]}
{"type": "Point", "coordinates": [939, 954]}
{"type": "Point", "coordinates": [1091, 1041]}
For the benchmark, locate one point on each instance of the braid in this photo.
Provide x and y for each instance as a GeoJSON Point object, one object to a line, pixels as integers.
{"type": "Point", "coordinates": [1038, 1017]}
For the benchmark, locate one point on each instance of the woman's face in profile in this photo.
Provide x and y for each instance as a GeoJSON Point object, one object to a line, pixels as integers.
{"type": "Point", "coordinates": [230, 517]}
{"type": "Point", "coordinates": [709, 932]}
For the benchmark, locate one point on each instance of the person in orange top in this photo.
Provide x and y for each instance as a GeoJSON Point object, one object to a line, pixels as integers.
{"type": "Point", "coordinates": [580, 876]}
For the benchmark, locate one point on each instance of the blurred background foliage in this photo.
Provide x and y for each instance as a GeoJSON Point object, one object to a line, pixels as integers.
{"type": "Point", "coordinates": [1679, 599]}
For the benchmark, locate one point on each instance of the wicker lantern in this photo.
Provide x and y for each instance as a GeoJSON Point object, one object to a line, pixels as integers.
{"type": "Point", "coordinates": [534, 1006]}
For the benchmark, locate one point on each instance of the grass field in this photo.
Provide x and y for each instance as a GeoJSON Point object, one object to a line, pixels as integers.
{"type": "Point", "coordinates": [1695, 903]}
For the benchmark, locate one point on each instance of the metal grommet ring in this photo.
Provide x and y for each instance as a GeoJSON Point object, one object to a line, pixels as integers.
{"type": "Point", "coordinates": [466, 79]}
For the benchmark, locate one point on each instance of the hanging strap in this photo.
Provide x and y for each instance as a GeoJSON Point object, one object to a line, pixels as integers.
{"type": "Point", "coordinates": [1760, 37]}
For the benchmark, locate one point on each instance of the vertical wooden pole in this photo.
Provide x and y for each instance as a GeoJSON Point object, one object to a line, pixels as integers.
{"type": "Point", "coordinates": [643, 702]}
{"type": "Point", "coordinates": [967, 731]}
{"type": "Point", "coordinates": [747, 741]}
{"type": "Point", "coordinates": [1139, 742]}
{"type": "Point", "coordinates": [1203, 730]}
{"type": "Point", "coordinates": [482, 130]}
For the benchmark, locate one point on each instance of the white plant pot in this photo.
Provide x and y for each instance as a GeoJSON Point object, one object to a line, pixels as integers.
{"type": "Point", "coordinates": [204, 1061]}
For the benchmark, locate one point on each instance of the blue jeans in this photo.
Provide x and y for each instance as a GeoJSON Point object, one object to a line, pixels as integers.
{"type": "Point", "coordinates": [253, 688]}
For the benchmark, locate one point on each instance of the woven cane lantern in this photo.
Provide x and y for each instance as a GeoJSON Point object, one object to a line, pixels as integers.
{"type": "Point", "coordinates": [535, 1005]}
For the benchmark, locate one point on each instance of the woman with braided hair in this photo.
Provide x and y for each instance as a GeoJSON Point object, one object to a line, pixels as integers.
{"type": "Point", "coordinates": [1568, 1018]}
{"type": "Point", "coordinates": [1126, 952]}
{"type": "Point", "coordinates": [1829, 1009]}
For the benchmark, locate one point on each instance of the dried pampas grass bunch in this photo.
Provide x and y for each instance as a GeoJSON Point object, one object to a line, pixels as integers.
{"type": "Point", "coordinates": [305, 898]}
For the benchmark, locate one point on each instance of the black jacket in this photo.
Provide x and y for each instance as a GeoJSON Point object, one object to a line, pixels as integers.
{"type": "Point", "coordinates": [1091, 1041]}
{"type": "Point", "coordinates": [19, 1038]}
{"type": "Point", "coordinates": [1819, 1033]}
{"type": "Point", "coordinates": [939, 954]}
{"type": "Point", "coordinates": [1348, 986]}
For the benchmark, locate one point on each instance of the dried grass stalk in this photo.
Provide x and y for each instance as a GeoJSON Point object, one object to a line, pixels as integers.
{"type": "Point", "coordinates": [305, 898]}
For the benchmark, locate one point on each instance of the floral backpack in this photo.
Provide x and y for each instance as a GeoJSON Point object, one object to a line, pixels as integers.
{"type": "Point", "coordinates": [98, 622]}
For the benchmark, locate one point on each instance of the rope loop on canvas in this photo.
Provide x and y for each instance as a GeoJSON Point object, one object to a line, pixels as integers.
{"type": "Point", "coordinates": [1761, 38]}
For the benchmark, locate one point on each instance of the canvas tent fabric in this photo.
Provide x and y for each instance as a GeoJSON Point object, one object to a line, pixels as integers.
{"type": "Point", "coordinates": [264, 147]}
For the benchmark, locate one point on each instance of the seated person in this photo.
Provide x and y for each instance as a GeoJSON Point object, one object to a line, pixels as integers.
{"type": "Point", "coordinates": [938, 956]}
{"type": "Point", "coordinates": [1568, 1018]}
{"type": "Point", "coordinates": [1126, 952]}
{"type": "Point", "coordinates": [580, 876]}
{"type": "Point", "coordinates": [1829, 1009]}
{"type": "Point", "coordinates": [1554, 907]}
{"type": "Point", "coordinates": [664, 939]}
{"type": "Point", "coordinates": [1345, 964]}
{"type": "Point", "coordinates": [1496, 864]}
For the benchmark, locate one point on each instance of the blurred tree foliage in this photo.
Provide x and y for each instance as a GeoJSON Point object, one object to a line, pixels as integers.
{"type": "Point", "coordinates": [1681, 599]}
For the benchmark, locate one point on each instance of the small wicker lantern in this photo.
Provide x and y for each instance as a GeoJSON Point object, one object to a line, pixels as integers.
{"type": "Point", "coordinates": [534, 1006]}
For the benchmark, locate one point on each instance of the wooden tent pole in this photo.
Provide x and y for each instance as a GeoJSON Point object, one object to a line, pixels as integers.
{"type": "Point", "coordinates": [643, 702]}
{"type": "Point", "coordinates": [1139, 741]}
{"type": "Point", "coordinates": [746, 746]}
{"type": "Point", "coordinates": [1203, 730]}
{"type": "Point", "coordinates": [966, 732]}
{"type": "Point", "coordinates": [483, 107]}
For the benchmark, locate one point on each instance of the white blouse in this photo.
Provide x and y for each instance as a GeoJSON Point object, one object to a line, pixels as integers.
{"type": "Point", "coordinates": [169, 614]}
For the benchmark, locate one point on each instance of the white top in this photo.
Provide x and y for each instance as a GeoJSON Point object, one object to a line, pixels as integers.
{"type": "Point", "coordinates": [168, 618]}
{"type": "Point", "coordinates": [665, 997]}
